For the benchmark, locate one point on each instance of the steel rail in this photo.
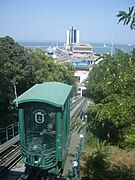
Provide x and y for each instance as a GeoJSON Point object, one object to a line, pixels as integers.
{"type": "Point", "coordinates": [10, 162]}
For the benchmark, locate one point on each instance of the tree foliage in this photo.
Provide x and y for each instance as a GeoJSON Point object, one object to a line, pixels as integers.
{"type": "Point", "coordinates": [14, 67]}
{"type": "Point", "coordinates": [24, 68]}
{"type": "Point", "coordinates": [45, 69]}
{"type": "Point", "coordinates": [127, 18]}
{"type": "Point", "coordinates": [96, 160]}
{"type": "Point", "coordinates": [111, 87]}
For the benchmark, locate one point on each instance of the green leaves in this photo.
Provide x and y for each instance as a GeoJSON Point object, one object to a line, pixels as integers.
{"type": "Point", "coordinates": [127, 17]}
{"type": "Point", "coordinates": [97, 159]}
{"type": "Point", "coordinates": [45, 69]}
{"type": "Point", "coordinates": [14, 67]}
{"type": "Point", "coordinates": [115, 75]}
{"type": "Point", "coordinates": [111, 86]}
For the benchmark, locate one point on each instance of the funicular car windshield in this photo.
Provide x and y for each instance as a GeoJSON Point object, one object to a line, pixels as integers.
{"type": "Point", "coordinates": [40, 126]}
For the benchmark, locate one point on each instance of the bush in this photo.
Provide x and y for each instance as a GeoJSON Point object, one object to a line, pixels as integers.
{"type": "Point", "coordinates": [97, 160]}
{"type": "Point", "coordinates": [102, 161]}
{"type": "Point", "coordinates": [129, 139]}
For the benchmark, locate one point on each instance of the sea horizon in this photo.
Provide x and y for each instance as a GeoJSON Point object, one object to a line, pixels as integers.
{"type": "Point", "coordinates": [98, 48]}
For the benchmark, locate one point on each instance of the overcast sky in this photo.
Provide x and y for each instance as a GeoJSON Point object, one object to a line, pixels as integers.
{"type": "Point", "coordinates": [47, 20]}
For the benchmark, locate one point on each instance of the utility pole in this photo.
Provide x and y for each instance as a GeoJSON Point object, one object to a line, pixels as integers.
{"type": "Point", "coordinates": [112, 48]}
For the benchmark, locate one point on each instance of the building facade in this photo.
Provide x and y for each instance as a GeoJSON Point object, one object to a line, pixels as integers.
{"type": "Point", "coordinates": [72, 36]}
{"type": "Point", "coordinates": [73, 45]}
{"type": "Point", "coordinates": [82, 48]}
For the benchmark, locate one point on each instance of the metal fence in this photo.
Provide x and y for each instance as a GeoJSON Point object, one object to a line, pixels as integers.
{"type": "Point", "coordinates": [75, 171]}
{"type": "Point", "coordinates": [8, 132]}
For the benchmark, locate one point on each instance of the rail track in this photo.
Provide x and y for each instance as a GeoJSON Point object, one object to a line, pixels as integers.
{"type": "Point", "coordinates": [74, 103]}
{"type": "Point", "coordinates": [78, 108]}
{"type": "Point", "coordinates": [4, 155]}
{"type": "Point", "coordinates": [9, 157]}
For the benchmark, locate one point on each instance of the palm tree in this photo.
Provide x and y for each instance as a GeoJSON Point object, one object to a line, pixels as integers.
{"type": "Point", "coordinates": [127, 17]}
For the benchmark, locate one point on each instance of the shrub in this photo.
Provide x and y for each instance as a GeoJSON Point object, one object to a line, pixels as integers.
{"type": "Point", "coordinates": [129, 139]}
{"type": "Point", "coordinates": [97, 160]}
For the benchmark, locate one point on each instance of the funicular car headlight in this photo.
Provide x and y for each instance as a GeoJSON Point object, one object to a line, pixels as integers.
{"type": "Point", "coordinates": [34, 147]}
{"type": "Point", "coordinates": [37, 160]}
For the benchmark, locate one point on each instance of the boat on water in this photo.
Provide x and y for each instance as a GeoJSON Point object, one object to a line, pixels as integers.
{"type": "Point", "coordinates": [51, 50]}
{"type": "Point", "coordinates": [104, 45]}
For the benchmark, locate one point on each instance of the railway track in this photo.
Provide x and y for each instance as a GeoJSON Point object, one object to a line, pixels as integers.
{"type": "Point", "coordinates": [12, 155]}
{"type": "Point", "coordinates": [4, 155]}
{"type": "Point", "coordinates": [9, 157]}
{"type": "Point", "coordinates": [78, 108]}
{"type": "Point", "coordinates": [76, 102]}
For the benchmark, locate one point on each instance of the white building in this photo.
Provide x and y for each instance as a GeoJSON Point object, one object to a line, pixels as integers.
{"type": "Point", "coordinates": [68, 38]}
{"type": "Point", "coordinates": [78, 36]}
{"type": "Point", "coordinates": [72, 36]}
{"type": "Point", "coordinates": [81, 76]}
{"type": "Point", "coordinates": [81, 49]}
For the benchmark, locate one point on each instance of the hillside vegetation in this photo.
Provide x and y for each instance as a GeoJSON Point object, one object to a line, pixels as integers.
{"type": "Point", "coordinates": [111, 116]}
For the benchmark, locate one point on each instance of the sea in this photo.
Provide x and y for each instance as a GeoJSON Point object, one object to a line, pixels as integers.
{"type": "Point", "coordinates": [98, 48]}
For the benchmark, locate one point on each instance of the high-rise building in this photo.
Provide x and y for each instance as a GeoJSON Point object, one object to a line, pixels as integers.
{"type": "Point", "coordinates": [68, 37]}
{"type": "Point", "coordinates": [78, 36]}
{"type": "Point", "coordinates": [73, 36]}
{"type": "Point", "coordinates": [73, 45]}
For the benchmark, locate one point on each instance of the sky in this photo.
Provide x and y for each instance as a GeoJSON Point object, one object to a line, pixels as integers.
{"type": "Point", "coordinates": [47, 20]}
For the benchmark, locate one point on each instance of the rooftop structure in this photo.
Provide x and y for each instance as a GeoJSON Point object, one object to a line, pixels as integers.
{"type": "Point", "coordinates": [81, 48]}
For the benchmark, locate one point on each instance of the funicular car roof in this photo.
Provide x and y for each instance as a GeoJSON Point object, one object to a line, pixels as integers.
{"type": "Point", "coordinates": [54, 93]}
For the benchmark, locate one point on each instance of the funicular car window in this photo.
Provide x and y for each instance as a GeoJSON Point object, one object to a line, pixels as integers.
{"type": "Point", "coordinates": [40, 124]}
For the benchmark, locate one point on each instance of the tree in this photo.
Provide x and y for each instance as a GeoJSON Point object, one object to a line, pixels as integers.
{"type": "Point", "coordinates": [24, 68]}
{"type": "Point", "coordinates": [46, 69]}
{"type": "Point", "coordinates": [111, 87]}
{"type": "Point", "coordinates": [14, 70]}
{"type": "Point", "coordinates": [127, 18]}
